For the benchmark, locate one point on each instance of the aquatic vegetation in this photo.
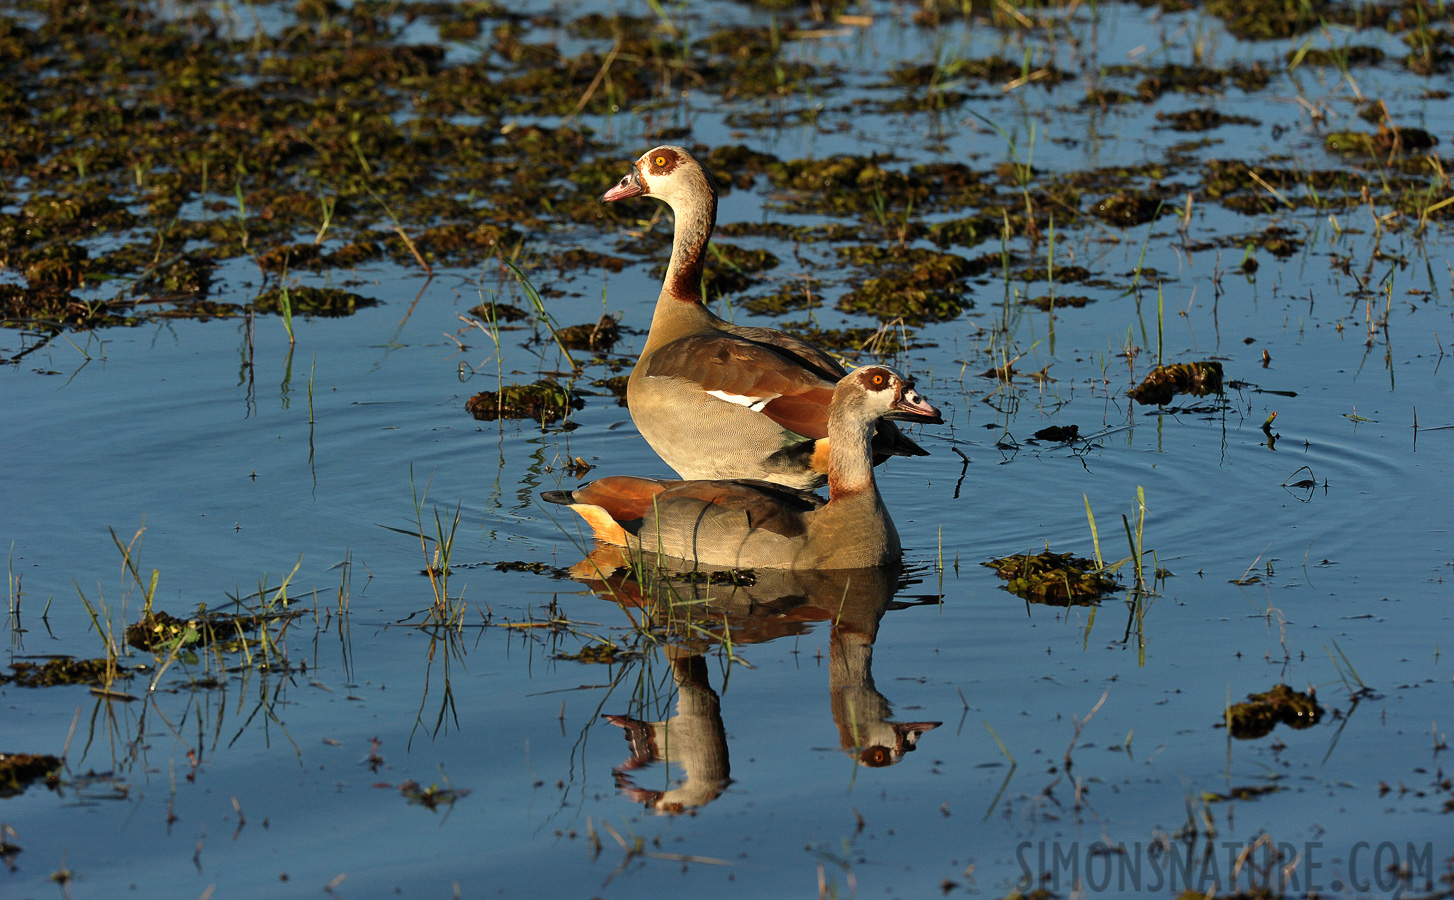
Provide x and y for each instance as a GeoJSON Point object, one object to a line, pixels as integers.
{"type": "Point", "coordinates": [544, 401]}
{"type": "Point", "coordinates": [1203, 119]}
{"type": "Point", "coordinates": [1164, 382]}
{"type": "Point", "coordinates": [600, 337]}
{"type": "Point", "coordinates": [1129, 209]}
{"type": "Point", "coordinates": [1259, 713]}
{"type": "Point", "coordinates": [1059, 434]}
{"type": "Point", "coordinates": [62, 670]}
{"type": "Point", "coordinates": [20, 770]}
{"type": "Point", "coordinates": [311, 301]}
{"type": "Point", "coordinates": [1059, 579]}
{"type": "Point", "coordinates": [160, 631]}
{"type": "Point", "coordinates": [915, 284]}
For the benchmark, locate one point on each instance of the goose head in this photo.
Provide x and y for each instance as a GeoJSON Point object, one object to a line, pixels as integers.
{"type": "Point", "coordinates": [878, 392]}
{"type": "Point", "coordinates": [668, 173]}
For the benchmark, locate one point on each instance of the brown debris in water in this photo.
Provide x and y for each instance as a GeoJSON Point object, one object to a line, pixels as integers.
{"type": "Point", "coordinates": [60, 671]}
{"type": "Point", "coordinates": [1165, 382]}
{"type": "Point", "coordinates": [499, 312]}
{"type": "Point", "coordinates": [600, 336]}
{"type": "Point", "coordinates": [19, 770]}
{"type": "Point", "coordinates": [1057, 579]}
{"type": "Point", "coordinates": [543, 401]}
{"type": "Point", "coordinates": [1127, 209]}
{"type": "Point", "coordinates": [1048, 303]}
{"type": "Point", "coordinates": [1060, 434]}
{"type": "Point", "coordinates": [1259, 713]}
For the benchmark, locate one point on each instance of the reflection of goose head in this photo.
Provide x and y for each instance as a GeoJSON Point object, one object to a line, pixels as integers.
{"type": "Point", "coordinates": [693, 739]}
{"type": "Point", "coordinates": [859, 710]}
{"type": "Point", "coordinates": [879, 744]}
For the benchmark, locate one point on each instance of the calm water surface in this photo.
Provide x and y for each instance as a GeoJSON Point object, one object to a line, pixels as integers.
{"type": "Point", "coordinates": [1319, 562]}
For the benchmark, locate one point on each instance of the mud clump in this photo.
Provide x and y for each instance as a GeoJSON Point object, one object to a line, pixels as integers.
{"type": "Point", "coordinates": [19, 771]}
{"type": "Point", "coordinates": [600, 337]}
{"type": "Point", "coordinates": [1165, 382]}
{"type": "Point", "coordinates": [790, 296]}
{"type": "Point", "coordinates": [52, 308]}
{"type": "Point", "coordinates": [609, 654]}
{"type": "Point", "coordinates": [159, 631]}
{"type": "Point", "coordinates": [1048, 303]}
{"type": "Point", "coordinates": [1056, 579]}
{"type": "Point", "coordinates": [289, 257]}
{"type": "Point", "coordinates": [63, 670]}
{"type": "Point", "coordinates": [1385, 142]}
{"type": "Point", "coordinates": [884, 341]}
{"type": "Point", "coordinates": [1059, 434]}
{"type": "Point", "coordinates": [1128, 209]}
{"type": "Point", "coordinates": [915, 284]}
{"type": "Point", "coordinates": [1259, 713]}
{"type": "Point", "coordinates": [499, 312]}
{"type": "Point", "coordinates": [616, 384]}
{"type": "Point", "coordinates": [1202, 120]}
{"type": "Point", "coordinates": [543, 401]}
{"type": "Point", "coordinates": [311, 301]}
{"type": "Point", "coordinates": [579, 258]}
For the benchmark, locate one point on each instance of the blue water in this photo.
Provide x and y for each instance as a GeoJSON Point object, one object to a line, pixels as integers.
{"type": "Point", "coordinates": [237, 478]}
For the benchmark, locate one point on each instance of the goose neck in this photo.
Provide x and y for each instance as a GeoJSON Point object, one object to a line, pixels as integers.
{"type": "Point", "coordinates": [850, 453]}
{"type": "Point", "coordinates": [696, 215]}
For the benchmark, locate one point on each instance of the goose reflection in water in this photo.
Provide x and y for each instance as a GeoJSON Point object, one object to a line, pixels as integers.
{"type": "Point", "coordinates": [776, 604]}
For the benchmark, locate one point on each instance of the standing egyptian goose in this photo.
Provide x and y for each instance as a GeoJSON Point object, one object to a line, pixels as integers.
{"type": "Point", "coordinates": [718, 400]}
{"type": "Point", "coordinates": [757, 524]}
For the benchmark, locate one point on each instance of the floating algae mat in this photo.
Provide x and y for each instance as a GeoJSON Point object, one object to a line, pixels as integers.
{"type": "Point", "coordinates": [1164, 382]}
{"type": "Point", "coordinates": [20, 770]}
{"type": "Point", "coordinates": [545, 400]}
{"type": "Point", "coordinates": [1059, 579]}
{"type": "Point", "coordinates": [62, 671]}
{"type": "Point", "coordinates": [1260, 713]}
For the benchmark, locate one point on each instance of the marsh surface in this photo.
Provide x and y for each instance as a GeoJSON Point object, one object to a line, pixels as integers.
{"type": "Point", "coordinates": [1028, 211]}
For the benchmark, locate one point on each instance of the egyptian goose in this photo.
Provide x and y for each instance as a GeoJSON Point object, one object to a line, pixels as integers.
{"type": "Point", "coordinates": [757, 524]}
{"type": "Point", "coordinates": [718, 400]}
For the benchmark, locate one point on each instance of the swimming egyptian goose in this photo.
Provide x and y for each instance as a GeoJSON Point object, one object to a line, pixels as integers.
{"type": "Point", "coordinates": [757, 524]}
{"type": "Point", "coordinates": [718, 400]}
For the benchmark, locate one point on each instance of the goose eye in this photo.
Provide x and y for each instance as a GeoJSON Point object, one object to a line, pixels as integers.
{"type": "Point", "coordinates": [659, 161]}
{"type": "Point", "coordinates": [878, 380]}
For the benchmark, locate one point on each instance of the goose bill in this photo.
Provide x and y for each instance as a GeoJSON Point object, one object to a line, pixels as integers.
{"type": "Point", "coordinates": [629, 186]}
{"type": "Point", "coordinates": [912, 407]}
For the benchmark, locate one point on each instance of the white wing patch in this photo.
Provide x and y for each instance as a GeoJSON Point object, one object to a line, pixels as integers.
{"type": "Point", "coordinates": [756, 404]}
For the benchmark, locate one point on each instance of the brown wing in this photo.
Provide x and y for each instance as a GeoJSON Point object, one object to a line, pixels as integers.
{"type": "Point", "coordinates": [625, 498]}
{"type": "Point", "coordinates": [768, 506]}
{"type": "Point", "coordinates": [810, 356]}
{"type": "Point", "coordinates": [765, 378]}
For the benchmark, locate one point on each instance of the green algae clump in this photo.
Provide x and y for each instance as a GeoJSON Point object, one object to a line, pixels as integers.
{"type": "Point", "coordinates": [913, 284]}
{"type": "Point", "coordinates": [543, 401]}
{"type": "Point", "coordinates": [60, 671]}
{"type": "Point", "coordinates": [1165, 382]}
{"type": "Point", "coordinates": [1259, 713]}
{"type": "Point", "coordinates": [311, 301]}
{"type": "Point", "coordinates": [1057, 579]}
{"type": "Point", "coordinates": [19, 770]}
{"type": "Point", "coordinates": [599, 337]}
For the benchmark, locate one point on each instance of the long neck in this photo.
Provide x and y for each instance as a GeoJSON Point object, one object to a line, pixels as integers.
{"type": "Point", "coordinates": [850, 453]}
{"type": "Point", "coordinates": [696, 215]}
